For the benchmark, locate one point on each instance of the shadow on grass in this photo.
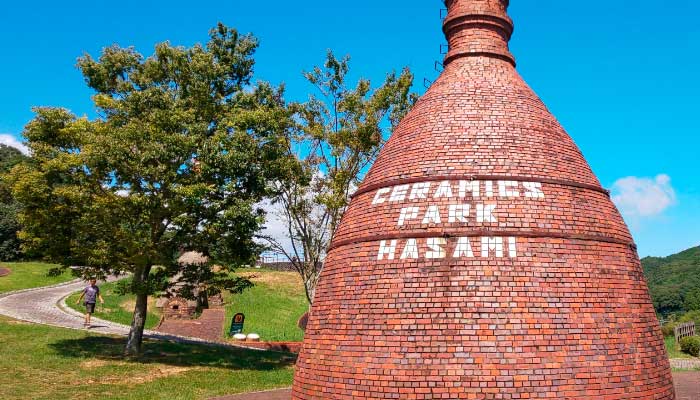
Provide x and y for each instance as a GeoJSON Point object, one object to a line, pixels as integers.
{"type": "Point", "coordinates": [176, 354]}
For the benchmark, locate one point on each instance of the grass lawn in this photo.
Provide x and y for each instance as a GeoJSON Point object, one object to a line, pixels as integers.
{"type": "Point", "coordinates": [674, 350]}
{"type": "Point", "coordinates": [117, 308]}
{"type": "Point", "coordinates": [272, 307]}
{"type": "Point", "coordinates": [41, 362]}
{"type": "Point", "coordinates": [27, 275]}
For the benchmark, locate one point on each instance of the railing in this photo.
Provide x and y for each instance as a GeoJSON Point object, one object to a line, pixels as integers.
{"type": "Point", "coordinates": [684, 330]}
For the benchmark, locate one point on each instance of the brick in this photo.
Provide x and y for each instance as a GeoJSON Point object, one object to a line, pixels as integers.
{"type": "Point", "coordinates": [508, 271]}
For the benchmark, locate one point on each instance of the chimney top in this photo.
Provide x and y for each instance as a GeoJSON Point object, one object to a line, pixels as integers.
{"type": "Point", "coordinates": [478, 28]}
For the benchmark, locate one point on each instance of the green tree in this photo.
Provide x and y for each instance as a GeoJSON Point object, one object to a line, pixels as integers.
{"type": "Point", "coordinates": [183, 151]}
{"type": "Point", "coordinates": [666, 300]}
{"type": "Point", "coordinates": [9, 207]}
{"type": "Point", "coordinates": [674, 281]}
{"type": "Point", "coordinates": [338, 136]}
{"type": "Point", "coordinates": [691, 302]}
{"type": "Point", "coordinates": [691, 316]}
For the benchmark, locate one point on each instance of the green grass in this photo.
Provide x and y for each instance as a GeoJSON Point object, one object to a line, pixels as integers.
{"type": "Point", "coordinates": [272, 307]}
{"type": "Point", "coordinates": [674, 350]}
{"type": "Point", "coordinates": [41, 362]}
{"type": "Point", "coordinates": [26, 275]}
{"type": "Point", "coordinates": [116, 308]}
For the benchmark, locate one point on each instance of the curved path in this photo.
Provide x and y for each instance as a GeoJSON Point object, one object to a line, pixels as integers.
{"type": "Point", "coordinates": [47, 306]}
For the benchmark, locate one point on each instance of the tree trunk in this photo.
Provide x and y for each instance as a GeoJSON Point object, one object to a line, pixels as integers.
{"type": "Point", "coordinates": [310, 284]}
{"type": "Point", "coordinates": [309, 289]}
{"type": "Point", "coordinates": [138, 322]}
{"type": "Point", "coordinates": [202, 300]}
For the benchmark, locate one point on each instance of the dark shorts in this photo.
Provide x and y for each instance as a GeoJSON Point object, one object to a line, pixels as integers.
{"type": "Point", "coordinates": [90, 307]}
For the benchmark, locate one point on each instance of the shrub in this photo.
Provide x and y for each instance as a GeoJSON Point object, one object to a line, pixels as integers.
{"type": "Point", "coordinates": [668, 329]}
{"type": "Point", "coordinates": [691, 345]}
{"type": "Point", "coordinates": [692, 316]}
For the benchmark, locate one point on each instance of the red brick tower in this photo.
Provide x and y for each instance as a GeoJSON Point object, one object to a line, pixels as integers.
{"type": "Point", "coordinates": [480, 258]}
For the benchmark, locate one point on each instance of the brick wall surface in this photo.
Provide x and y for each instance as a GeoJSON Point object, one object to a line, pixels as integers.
{"type": "Point", "coordinates": [178, 308]}
{"type": "Point", "coordinates": [481, 259]}
{"type": "Point", "coordinates": [209, 326]}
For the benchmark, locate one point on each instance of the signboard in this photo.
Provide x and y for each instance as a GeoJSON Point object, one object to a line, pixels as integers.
{"type": "Point", "coordinates": [447, 203]}
{"type": "Point", "coordinates": [237, 324]}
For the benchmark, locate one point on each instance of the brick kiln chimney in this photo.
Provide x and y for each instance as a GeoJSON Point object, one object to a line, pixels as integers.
{"type": "Point", "coordinates": [478, 28]}
{"type": "Point", "coordinates": [480, 258]}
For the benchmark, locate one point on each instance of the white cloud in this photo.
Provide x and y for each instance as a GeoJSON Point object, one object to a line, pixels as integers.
{"type": "Point", "coordinates": [11, 140]}
{"type": "Point", "coordinates": [643, 197]}
{"type": "Point", "coordinates": [276, 225]}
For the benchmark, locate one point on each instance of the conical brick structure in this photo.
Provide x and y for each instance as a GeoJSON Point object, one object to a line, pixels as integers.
{"type": "Point", "coordinates": [480, 258]}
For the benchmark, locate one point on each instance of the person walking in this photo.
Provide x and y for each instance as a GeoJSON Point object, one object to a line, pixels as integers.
{"type": "Point", "coordinates": [91, 294]}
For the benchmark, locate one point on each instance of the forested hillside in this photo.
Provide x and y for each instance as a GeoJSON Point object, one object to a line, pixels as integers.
{"type": "Point", "coordinates": [674, 281]}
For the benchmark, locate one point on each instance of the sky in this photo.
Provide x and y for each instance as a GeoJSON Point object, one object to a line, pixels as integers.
{"type": "Point", "coordinates": [621, 76]}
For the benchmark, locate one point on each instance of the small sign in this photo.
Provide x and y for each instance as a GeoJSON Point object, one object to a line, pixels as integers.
{"type": "Point", "coordinates": [237, 324]}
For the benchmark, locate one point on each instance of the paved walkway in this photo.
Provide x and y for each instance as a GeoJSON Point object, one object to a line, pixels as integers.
{"type": "Point", "coordinates": [283, 394]}
{"type": "Point", "coordinates": [209, 326]}
{"type": "Point", "coordinates": [47, 306]}
{"type": "Point", "coordinates": [687, 385]}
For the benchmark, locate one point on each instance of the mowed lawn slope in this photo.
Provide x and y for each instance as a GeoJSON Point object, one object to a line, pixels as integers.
{"type": "Point", "coordinates": [272, 307]}
{"type": "Point", "coordinates": [41, 362]}
{"type": "Point", "coordinates": [26, 275]}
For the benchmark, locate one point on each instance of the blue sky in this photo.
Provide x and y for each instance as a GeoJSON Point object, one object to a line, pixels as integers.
{"type": "Point", "coordinates": [621, 76]}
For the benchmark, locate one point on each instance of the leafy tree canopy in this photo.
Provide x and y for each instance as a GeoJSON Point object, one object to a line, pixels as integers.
{"type": "Point", "coordinates": [339, 133]}
{"type": "Point", "coordinates": [184, 148]}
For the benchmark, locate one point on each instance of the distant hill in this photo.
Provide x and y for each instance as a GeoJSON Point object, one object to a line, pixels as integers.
{"type": "Point", "coordinates": [674, 281]}
{"type": "Point", "coordinates": [9, 157]}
